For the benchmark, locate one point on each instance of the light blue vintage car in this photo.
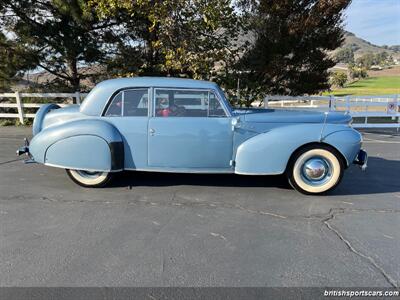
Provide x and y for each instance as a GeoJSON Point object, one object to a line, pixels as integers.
{"type": "Point", "coordinates": [182, 125]}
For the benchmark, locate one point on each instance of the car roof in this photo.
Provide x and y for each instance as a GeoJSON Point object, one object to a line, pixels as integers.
{"type": "Point", "coordinates": [157, 82]}
{"type": "Point", "coordinates": [96, 100]}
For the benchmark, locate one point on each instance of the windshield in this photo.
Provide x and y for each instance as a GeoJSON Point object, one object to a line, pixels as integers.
{"type": "Point", "coordinates": [224, 98]}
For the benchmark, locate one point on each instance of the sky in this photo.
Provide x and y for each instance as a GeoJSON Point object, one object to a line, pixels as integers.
{"type": "Point", "coordinates": [377, 21]}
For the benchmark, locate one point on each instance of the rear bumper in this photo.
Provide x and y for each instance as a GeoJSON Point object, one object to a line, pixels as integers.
{"type": "Point", "coordinates": [361, 159]}
{"type": "Point", "coordinates": [25, 150]}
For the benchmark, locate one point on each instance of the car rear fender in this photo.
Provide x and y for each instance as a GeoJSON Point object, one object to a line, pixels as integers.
{"type": "Point", "coordinates": [91, 144]}
{"type": "Point", "coordinates": [39, 117]}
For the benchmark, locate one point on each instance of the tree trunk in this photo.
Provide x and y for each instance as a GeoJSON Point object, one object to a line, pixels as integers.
{"type": "Point", "coordinates": [74, 76]}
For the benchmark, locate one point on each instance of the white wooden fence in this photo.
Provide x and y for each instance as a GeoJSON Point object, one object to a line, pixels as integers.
{"type": "Point", "coordinates": [386, 106]}
{"type": "Point", "coordinates": [20, 106]}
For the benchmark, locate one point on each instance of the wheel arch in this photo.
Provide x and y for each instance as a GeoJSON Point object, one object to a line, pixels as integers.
{"type": "Point", "coordinates": [339, 154]}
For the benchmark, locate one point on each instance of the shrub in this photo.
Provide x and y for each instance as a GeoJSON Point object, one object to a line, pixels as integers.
{"type": "Point", "coordinates": [338, 79]}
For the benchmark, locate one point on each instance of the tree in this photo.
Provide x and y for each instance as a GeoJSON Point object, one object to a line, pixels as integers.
{"type": "Point", "coordinates": [13, 59]}
{"type": "Point", "coordinates": [381, 58]}
{"type": "Point", "coordinates": [366, 60]}
{"type": "Point", "coordinates": [172, 37]}
{"type": "Point", "coordinates": [292, 38]}
{"type": "Point", "coordinates": [338, 79]}
{"type": "Point", "coordinates": [61, 35]}
{"type": "Point", "coordinates": [345, 55]}
{"type": "Point", "coordinates": [357, 72]}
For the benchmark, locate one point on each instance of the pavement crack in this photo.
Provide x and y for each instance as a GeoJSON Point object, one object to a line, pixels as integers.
{"type": "Point", "coordinates": [218, 235]}
{"type": "Point", "coordinates": [338, 210]}
{"type": "Point", "coordinates": [332, 214]}
{"type": "Point", "coordinates": [162, 255]}
{"type": "Point", "coordinates": [174, 201]}
{"type": "Point", "coordinates": [373, 210]}
{"type": "Point", "coordinates": [261, 212]}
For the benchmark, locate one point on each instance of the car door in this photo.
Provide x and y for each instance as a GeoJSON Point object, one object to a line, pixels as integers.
{"type": "Point", "coordinates": [128, 110]}
{"type": "Point", "coordinates": [189, 129]}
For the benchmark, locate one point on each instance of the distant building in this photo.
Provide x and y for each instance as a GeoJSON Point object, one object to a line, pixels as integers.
{"type": "Point", "coordinates": [375, 68]}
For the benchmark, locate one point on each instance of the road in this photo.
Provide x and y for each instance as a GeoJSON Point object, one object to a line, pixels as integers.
{"type": "Point", "coordinates": [153, 229]}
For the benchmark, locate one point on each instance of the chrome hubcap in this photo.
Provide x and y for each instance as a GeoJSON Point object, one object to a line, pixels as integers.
{"type": "Point", "coordinates": [316, 171]}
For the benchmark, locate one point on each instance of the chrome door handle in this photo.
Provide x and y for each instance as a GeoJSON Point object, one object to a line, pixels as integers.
{"type": "Point", "coordinates": [152, 131]}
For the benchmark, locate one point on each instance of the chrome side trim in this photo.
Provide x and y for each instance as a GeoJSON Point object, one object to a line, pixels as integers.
{"type": "Point", "coordinates": [178, 170]}
{"type": "Point", "coordinates": [256, 174]}
{"type": "Point", "coordinates": [83, 169]}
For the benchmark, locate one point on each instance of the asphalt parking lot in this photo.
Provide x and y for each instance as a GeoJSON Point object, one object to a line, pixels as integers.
{"type": "Point", "coordinates": [151, 229]}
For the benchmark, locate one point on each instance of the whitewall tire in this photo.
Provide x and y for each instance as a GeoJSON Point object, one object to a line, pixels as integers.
{"type": "Point", "coordinates": [89, 179]}
{"type": "Point", "coordinates": [315, 169]}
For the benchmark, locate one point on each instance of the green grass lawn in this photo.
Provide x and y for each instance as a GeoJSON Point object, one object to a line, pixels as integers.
{"type": "Point", "coordinates": [371, 86]}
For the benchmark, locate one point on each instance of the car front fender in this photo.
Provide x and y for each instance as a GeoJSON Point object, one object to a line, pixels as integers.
{"type": "Point", "coordinates": [88, 144]}
{"type": "Point", "coordinates": [270, 152]}
{"type": "Point", "coordinates": [347, 142]}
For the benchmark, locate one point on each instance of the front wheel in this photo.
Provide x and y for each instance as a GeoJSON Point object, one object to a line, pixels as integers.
{"type": "Point", "coordinates": [315, 170]}
{"type": "Point", "coordinates": [88, 178]}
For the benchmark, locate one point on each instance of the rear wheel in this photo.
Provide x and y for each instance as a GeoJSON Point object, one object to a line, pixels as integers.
{"type": "Point", "coordinates": [315, 169]}
{"type": "Point", "coordinates": [89, 179]}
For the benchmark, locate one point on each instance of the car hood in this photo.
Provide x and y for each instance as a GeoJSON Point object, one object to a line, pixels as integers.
{"type": "Point", "coordinates": [292, 116]}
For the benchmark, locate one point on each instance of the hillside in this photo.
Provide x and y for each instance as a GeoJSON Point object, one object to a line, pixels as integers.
{"type": "Point", "coordinates": [361, 46]}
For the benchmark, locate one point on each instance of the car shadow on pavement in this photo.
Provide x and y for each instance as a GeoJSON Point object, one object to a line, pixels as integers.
{"type": "Point", "coordinates": [132, 179]}
{"type": "Point", "coordinates": [382, 176]}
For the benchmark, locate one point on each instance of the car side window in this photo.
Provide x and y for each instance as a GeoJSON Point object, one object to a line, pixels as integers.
{"type": "Point", "coordinates": [135, 102]}
{"type": "Point", "coordinates": [185, 103]}
{"type": "Point", "coordinates": [132, 102]}
{"type": "Point", "coordinates": [115, 107]}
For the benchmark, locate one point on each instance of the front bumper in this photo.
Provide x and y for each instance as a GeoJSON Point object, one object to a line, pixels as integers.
{"type": "Point", "coordinates": [361, 159]}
